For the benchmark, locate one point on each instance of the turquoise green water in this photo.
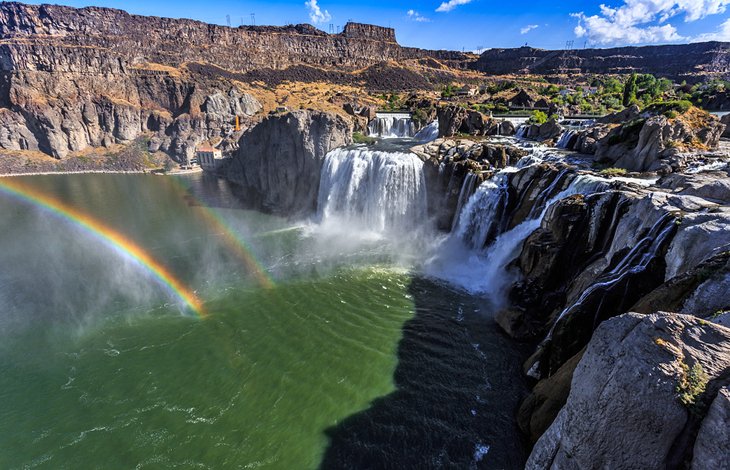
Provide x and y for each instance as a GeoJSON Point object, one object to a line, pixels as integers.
{"type": "Point", "coordinates": [102, 367]}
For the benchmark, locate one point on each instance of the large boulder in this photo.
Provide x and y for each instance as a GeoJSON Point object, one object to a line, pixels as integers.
{"type": "Point", "coordinates": [455, 120]}
{"type": "Point", "coordinates": [639, 394]}
{"type": "Point", "coordinates": [712, 447]}
{"type": "Point", "coordinates": [549, 130]}
{"type": "Point", "coordinates": [279, 161]}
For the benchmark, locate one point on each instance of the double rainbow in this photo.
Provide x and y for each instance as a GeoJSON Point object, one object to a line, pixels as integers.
{"type": "Point", "coordinates": [109, 236]}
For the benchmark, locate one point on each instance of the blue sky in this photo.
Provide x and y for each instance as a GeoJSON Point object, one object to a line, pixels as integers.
{"type": "Point", "coordinates": [473, 24]}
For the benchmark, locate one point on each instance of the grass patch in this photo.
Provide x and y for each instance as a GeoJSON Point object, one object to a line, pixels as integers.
{"type": "Point", "coordinates": [611, 172]}
{"type": "Point", "coordinates": [360, 138]}
{"type": "Point", "coordinates": [692, 383]}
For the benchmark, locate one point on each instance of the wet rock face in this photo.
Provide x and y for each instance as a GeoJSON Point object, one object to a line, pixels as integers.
{"type": "Point", "coordinates": [279, 161]}
{"type": "Point", "coordinates": [631, 394]}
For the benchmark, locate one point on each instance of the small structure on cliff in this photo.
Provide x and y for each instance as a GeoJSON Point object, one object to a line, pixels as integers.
{"type": "Point", "coordinates": [209, 158]}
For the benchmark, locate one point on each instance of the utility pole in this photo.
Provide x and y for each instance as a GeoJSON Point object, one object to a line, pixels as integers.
{"type": "Point", "coordinates": [228, 20]}
{"type": "Point", "coordinates": [569, 45]}
{"type": "Point", "coordinates": [253, 19]}
{"type": "Point", "coordinates": [332, 28]}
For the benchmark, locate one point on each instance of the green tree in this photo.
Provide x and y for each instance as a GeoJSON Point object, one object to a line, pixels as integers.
{"type": "Point", "coordinates": [630, 90]}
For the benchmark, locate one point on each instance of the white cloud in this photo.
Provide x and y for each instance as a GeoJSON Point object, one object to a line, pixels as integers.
{"type": "Point", "coordinates": [529, 28]}
{"type": "Point", "coordinates": [415, 16]}
{"type": "Point", "coordinates": [316, 15]}
{"type": "Point", "coordinates": [722, 34]}
{"type": "Point", "coordinates": [446, 7]}
{"type": "Point", "coordinates": [644, 21]}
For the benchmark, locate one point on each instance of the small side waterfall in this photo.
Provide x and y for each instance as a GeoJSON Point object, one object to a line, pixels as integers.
{"type": "Point", "coordinates": [566, 139]}
{"type": "Point", "coordinates": [482, 215]}
{"type": "Point", "coordinates": [392, 126]}
{"type": "Point", "coordinates": [374, 190]}
{"type": "Point", "coordinates": [467, 189]}
{"type": "Point", "coordinates": [428, 133]}
{"type": "Point", "coordinates": [637, 259]}
{"type": "Point", "coordinates": [522, 131]}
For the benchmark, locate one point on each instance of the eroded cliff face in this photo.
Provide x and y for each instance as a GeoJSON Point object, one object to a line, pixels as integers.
{"type": "Point", "coordinates": [691, 62]}
{"type": "Point", "coordinates": [177, 41]}
{"type": "Point", "coordinates": [73, 79]}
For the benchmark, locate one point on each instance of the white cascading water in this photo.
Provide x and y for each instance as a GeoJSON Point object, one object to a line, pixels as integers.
{"type": "Point", "coordinates": [373, 190]}
{"type": "Point", "coordinates": [522, 131]}
{"type": "Point", "coordinates": [392, 127]}
{"type": "Point", "coordinates": [465, 261]}
{"type": "Point", "coordinates": [467, 189]}
{"type": "Point", "coordinates": [565, 139]}
{"type": "Point", "coordinates": [428, 133]}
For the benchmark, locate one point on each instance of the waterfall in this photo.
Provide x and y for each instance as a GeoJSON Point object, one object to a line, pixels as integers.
{"type": "Point", "coordinates": [565, 139]}
{"type": "Point", "coordinates": [372, 190]}
{"type": "Point", "coordinates": [636, 261]}
{"type": "Point", "coordinates": [522, 131]}
{"type": "Point", "coordinates": [428, 133]}
{"type": "Point", "coordinates": [392, 127]}
{"type": "Point", "coordinates": [467, 189]}
{"type": "Point", "coordinates": [478, 252]}
{"type": "Point", "coordinates": [482, 215]}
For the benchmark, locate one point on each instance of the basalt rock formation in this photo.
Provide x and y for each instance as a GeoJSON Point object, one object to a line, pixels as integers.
{"type": "Point", "coordinates": [657, 139]}
{"type": "Point", "coordinates": [615, 248]}
{"type": "Point", "coordinates": [691, 62]}
{"type": "Point", "coordinates": [279, 161]}
{"type": "Point", "coordinates": [668, 370]}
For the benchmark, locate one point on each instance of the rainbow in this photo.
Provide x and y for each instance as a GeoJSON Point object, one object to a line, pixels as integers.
{"type": "Point", "coordinates": [116, 240]}
{"type": "Point", "coordinates": [238, 246]}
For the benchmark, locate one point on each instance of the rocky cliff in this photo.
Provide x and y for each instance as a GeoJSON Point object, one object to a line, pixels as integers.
{"type": "Point", "coordinates": [691, 62]}
{"type": "Point", "coordinates": [73, 79]}
{"type": "Point", "coordinates": [279, 161]}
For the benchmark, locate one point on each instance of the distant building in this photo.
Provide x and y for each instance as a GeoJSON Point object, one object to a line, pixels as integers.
{"type": "Point", "coordinates": [566, 91]}
{"type": "Point", "coordinates": [589, 90]}
{"type": "Point", "coordinates": [209, 157]}
{"type": "Point", "coordinates": [467, 91]}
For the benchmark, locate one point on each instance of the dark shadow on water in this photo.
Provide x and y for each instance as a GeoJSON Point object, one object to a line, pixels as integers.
{"type": "Point", "coordinates": [458, 383]}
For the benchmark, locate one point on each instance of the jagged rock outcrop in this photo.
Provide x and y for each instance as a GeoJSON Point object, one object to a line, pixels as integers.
{"type": "Point", "coordinates": [619, 248]}
{"type": "Point", "coordinates": [663, 138]}
{"type": "Point", "coordinates": [455, 120]}
{"type": "Point", "coordinates": [449, 163]}
{"type": "Point", "coordinates": [642, 145]}
{"type": "Point", "coordinates": [691, 62]}
{"type": "Point", "coordinates": [279, 161]}
{"type": "Point", "coordinates": [639, 396]}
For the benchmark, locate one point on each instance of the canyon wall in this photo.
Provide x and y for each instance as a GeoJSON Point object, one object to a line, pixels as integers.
{"type": "Point", "coordinates": [174, 42]}
{"type": "Point", "coordinates": [691, 62]}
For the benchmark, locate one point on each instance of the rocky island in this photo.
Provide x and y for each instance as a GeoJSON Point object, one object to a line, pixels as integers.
{"type": "Point", "coordinates": [594, 185]}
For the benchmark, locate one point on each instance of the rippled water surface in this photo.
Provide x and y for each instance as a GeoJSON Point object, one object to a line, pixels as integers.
{"type": "Point", "coordinates": [349, 361]}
